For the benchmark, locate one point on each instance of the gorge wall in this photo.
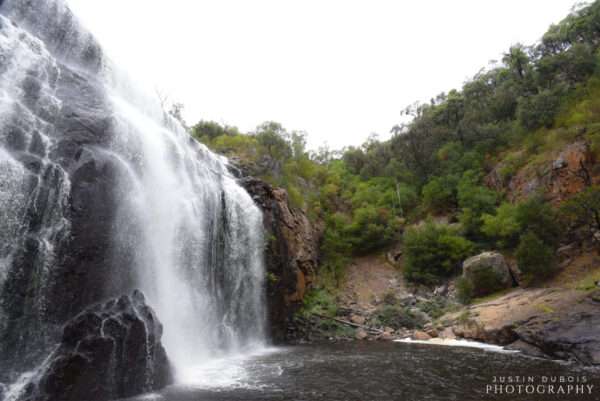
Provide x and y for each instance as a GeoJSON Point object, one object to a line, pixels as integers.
{"type": "Point", "coordinates": [291, 255]}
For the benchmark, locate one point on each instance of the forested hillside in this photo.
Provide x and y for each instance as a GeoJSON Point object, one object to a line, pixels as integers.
{"type": "Point", "coordinates": [474, 169]}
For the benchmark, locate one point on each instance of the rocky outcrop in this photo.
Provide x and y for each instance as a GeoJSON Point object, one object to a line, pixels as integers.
{"type": "Point", "coordinates": [558, 179]}
{"type": "Point", "coordinates": [550, 322]}
{"type": "Point", "coordinates": [291, 254]}
{"type": "Point", "coordinates": [571, 172]}
{"type": "Point", "coordinates": [567, 334]}
{"type": "Point", "coordinates": [111, 350]}
{"type": "Point", "coordinates": [491, 265]}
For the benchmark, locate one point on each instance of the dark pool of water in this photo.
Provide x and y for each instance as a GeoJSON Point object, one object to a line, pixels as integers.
{"type": "Point", "coordinates": [365, 371]}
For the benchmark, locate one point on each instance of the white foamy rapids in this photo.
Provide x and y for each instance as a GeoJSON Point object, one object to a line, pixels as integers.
{"type": "Point", "coordinates": [458, 343]}
{"type": "Point", "coordinates": [234, 371]}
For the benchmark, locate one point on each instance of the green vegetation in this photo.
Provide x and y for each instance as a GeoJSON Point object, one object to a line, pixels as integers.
{"type": "Point", "coordinates": [545, 308]}
{"type": "Point", "coordinates": [434, 251]}
{"type": "Point", "coordinates": [534, 257]}
{"type": "Point", "coordinates": [533, 227]}
{"type": "Point", "coordinates": [486, 281]}
{"type": "Point", "coordinates": [583, 210]}
{"type": "Point", "coordinates": [435, 307]}
{"type": "Point", "coordinates": [319, 302]}
{"type": "Point", "coordinates": [511, 117]}
{"type": "Point", "coordinates": [464, 290]}
{"type": "Point", "coordinates": [272, 278]}
{"type": "Point", "coordinates": [589, 281]}
{"type": "Point", "coordinates": [395, 316]}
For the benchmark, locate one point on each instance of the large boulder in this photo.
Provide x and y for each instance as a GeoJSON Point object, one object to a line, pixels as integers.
{"type": "Point", "coordinates": [488, 272]}
{"type": "Point", "coordinates": [111, 350]}
{"type": "Point", "coordinates": [291, 255]}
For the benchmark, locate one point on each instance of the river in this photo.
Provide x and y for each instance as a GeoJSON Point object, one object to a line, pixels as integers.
{"type": "Point", "coordinates": [366, 371]}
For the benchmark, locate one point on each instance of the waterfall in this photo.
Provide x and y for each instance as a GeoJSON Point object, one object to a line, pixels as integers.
{"type": "Point", "coordinates": [101, 192]}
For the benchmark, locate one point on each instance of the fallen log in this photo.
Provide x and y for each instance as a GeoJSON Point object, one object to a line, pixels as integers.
{"type": "Point", "coordinates": [352, 324]}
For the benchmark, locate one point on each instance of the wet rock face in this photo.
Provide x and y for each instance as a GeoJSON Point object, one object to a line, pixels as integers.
{"type": "Point", "coordinates": [111, 350]}
{"type": "Point", "coordinates": [291, 254]}
{"type": "Point", "coordinates": [59, 258]}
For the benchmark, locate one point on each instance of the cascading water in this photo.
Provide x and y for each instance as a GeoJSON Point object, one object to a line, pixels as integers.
{"type": "Point", "coordinates": [102, 192]}
{"type": "Point", "coordinates": [196, 235]}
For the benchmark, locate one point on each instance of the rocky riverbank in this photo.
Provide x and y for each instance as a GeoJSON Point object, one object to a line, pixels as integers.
{"type": "Point", "coordinates": [554, 322]}
{"type": "Point", "coordinates": [551, 323]}
{"type": "Point", "coordinates": [375, 303]}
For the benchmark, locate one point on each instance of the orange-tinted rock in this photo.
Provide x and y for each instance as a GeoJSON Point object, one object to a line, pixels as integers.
{"type": "Point", "coordinates": [291, 254]}
{"type": "Point", "coordinates": [570, 172]}
{"type": "Point", "coordinates": [564, 176]}
{"type": "Point", "coordinates": [421, 336]}
{"type": "Point", "coordinates": [357, 319]}
{"type": "Point", "coordinates": [447, 334]}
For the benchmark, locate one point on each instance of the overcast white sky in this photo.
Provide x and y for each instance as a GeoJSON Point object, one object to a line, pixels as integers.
{"type": "Point", "coordinates": [338, 69]}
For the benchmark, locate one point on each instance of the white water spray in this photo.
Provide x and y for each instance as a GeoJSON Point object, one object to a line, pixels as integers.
{"type": "Point", "coordinates": [197, 236]}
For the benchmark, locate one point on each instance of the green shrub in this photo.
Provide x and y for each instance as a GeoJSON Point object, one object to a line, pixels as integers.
{"type": "Point", "coordinates": [295, 196]}
{"type": "Point", "coordinates": [389, 298]}
{"type": "Point", "coordinates": [434, 251]}
{"type": "Point", "coordinates": [396, 317]}
{"type": "Point", "coordinates": [511, 221]}
{"type": "Point", "coordinates": [474, 201]}
{"type": "Point", "coordinates": [539, 217]}
{"type": "Point", "coordinates": [272, 278]}
{"type": "Point", "coordinates": [439, 194]}
{"type": "Point", "coordinates": [407, 198]}
{"type": "Point", "coordinates": [331, 328]}
{"type": "Point", "coordinates": [538, 110]}
{"type": "Point", "coordinates": [486, 281]}
{"type": "Point", "coordinates": [335, 250]}
{"type": "Point", "coordinates": [535, 258]}
{"type": "Point", "coordinates": [434, 307]}
{"type": "Point", "coordinates": [510, 165]}
{"type": "Point", "coordinates": [371, 228]}
{"type": "Point", "coordinates": [464, 290]}
{"type": "Point", "coordinates": [476, 197]}
{"type": "Point", "coordinates": [319, 301]}
{"type": "Point", "coordinates": [504, 226]}
{"type": "Point", "coordinates": [583, 210]}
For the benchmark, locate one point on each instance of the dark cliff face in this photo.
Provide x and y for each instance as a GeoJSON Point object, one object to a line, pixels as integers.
{"type": "Point", "coordinates": [291, 254]}
{"type": "Point", "coordinates": [61, 250]}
